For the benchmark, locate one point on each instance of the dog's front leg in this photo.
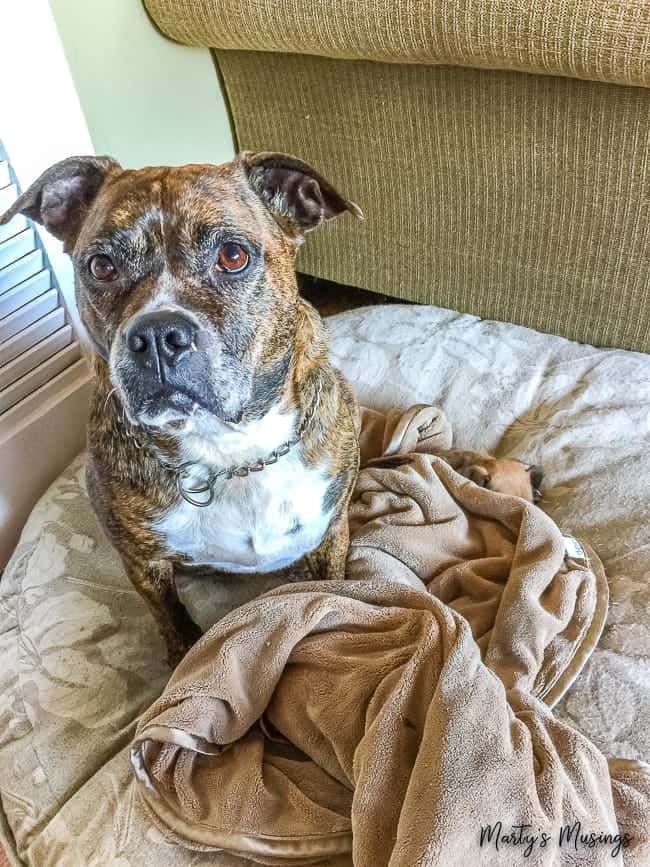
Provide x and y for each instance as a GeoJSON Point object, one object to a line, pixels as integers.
{"type": "Point", "coordinates": [154, 581]}
{"type": "Point", "coordinates": [328, 560]}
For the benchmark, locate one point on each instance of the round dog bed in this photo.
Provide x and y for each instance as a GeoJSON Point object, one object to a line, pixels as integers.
{"type": "Point", "coordinates": [80, 657]}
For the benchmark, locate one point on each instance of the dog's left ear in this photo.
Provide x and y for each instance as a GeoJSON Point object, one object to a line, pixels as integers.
{"type": "Point", "coordinates": [62, 196]}
{"type": "Point", "coordinates": [298, 197]}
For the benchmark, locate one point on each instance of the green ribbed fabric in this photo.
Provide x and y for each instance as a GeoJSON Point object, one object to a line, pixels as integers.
{"type": "Point", "coordinates": [517, 197]}
{"type": "Point", "coordinates": [603, 40]}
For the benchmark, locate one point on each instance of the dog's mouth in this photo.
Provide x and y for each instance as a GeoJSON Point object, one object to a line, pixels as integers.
{"type": "Point", "coordinates": [174, 409]}
{"type": "Point", "coordinates": [170, 408]}
{"type": "Point", "coordinates": [173, 386]}
{"type": "Point", "coordinates": [165, 409]}
{"type": "Point", "coordinates": [168, 398]}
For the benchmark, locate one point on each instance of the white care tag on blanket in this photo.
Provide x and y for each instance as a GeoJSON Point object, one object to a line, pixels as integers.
{"type": "Point", "coordinates": [574, 549]}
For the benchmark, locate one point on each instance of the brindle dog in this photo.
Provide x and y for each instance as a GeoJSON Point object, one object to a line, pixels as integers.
{"type": "Point", "coordinates": [220, 435]}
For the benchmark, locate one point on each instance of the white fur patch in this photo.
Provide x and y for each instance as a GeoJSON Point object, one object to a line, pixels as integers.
{"type": "Point", "coordinates": [259, 523]}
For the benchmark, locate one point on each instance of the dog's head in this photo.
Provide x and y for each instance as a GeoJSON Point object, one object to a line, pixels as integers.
{"type": "Point", "coordinates": [185, 276]}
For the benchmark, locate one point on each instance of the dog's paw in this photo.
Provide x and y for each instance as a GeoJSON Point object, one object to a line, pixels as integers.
{"type": "Point", "coordinates": [507, 476]}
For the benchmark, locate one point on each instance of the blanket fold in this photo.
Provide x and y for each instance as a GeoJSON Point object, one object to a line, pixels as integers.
{"type": "Point", "coordinates": [401, 717]}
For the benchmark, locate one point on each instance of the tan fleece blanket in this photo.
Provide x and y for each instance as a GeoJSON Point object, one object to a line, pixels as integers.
{"type": "Point", "coordinates": [402, 717]}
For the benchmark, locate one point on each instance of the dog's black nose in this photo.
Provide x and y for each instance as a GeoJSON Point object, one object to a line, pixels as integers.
{"type": "Point", "coordinates": [160, 339]}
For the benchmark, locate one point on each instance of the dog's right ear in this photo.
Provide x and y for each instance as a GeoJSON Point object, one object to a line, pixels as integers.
{"type": "Point", "coordinates": [61, 198]}
{"type": "Point", "coordinates": [296, 195]}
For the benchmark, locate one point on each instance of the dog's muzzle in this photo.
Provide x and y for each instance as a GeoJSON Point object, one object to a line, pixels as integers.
{"type": "Point", "coordinates": [163, 366]}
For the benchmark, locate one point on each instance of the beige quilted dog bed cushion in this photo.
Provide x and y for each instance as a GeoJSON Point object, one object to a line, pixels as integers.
{"type": "Point", "coordinates": [80, 658]}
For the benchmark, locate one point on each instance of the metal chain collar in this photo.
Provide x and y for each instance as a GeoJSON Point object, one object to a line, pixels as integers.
{"type": "Point", "coordinates": [201, 494]}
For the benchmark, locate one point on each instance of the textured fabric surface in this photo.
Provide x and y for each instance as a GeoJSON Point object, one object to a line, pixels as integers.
{"type": "Point", "coordinates": [374, 690]}
{"type": "Point", "coordinates": [515, 197]}
{"type": "Point", "coordinates": [582, 414]}
{"type": "Point", "coordinates": [606, 40]}
{"type": "Point", "coordinates": [81, 658]}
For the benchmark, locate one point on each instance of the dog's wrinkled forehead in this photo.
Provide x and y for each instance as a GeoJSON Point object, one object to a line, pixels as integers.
{"type": "Point", "coordinates": [174, 211]}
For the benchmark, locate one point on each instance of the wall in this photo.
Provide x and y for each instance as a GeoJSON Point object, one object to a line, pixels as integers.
{"type": "Point", "coordinates": [146, 100]}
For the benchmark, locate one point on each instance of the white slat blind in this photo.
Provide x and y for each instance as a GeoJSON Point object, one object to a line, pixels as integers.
{"type": "Point", "coordinates": [37, 342]}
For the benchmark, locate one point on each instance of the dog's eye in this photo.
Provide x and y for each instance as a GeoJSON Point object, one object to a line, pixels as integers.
{"type": "Point", "coordinates": [232, 258]}
{"type": "Point", "coordinates": [102, 268]}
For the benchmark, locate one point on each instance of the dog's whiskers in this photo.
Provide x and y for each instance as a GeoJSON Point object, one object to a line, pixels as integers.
{"type": "Point", "coordinates": [109, 396]}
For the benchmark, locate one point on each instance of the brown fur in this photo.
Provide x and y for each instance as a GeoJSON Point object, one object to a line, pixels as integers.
{"type": "Point", "coordinates": [154, 220]}
{"type": "Point", "coordinates": [504, 475]}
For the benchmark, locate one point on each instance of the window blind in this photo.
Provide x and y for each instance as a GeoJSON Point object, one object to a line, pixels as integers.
{"type": "Point", "coordinates": [37, 342]}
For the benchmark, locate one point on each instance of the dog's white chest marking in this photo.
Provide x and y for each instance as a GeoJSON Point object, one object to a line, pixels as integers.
{"type": "Point", "coordinates": [259, 523]}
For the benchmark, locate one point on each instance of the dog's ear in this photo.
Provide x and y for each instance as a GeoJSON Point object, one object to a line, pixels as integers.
{"type": "Point", "coordinates": [61, 197]}
{"type": "Point", "coordinates": [297, 196]}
